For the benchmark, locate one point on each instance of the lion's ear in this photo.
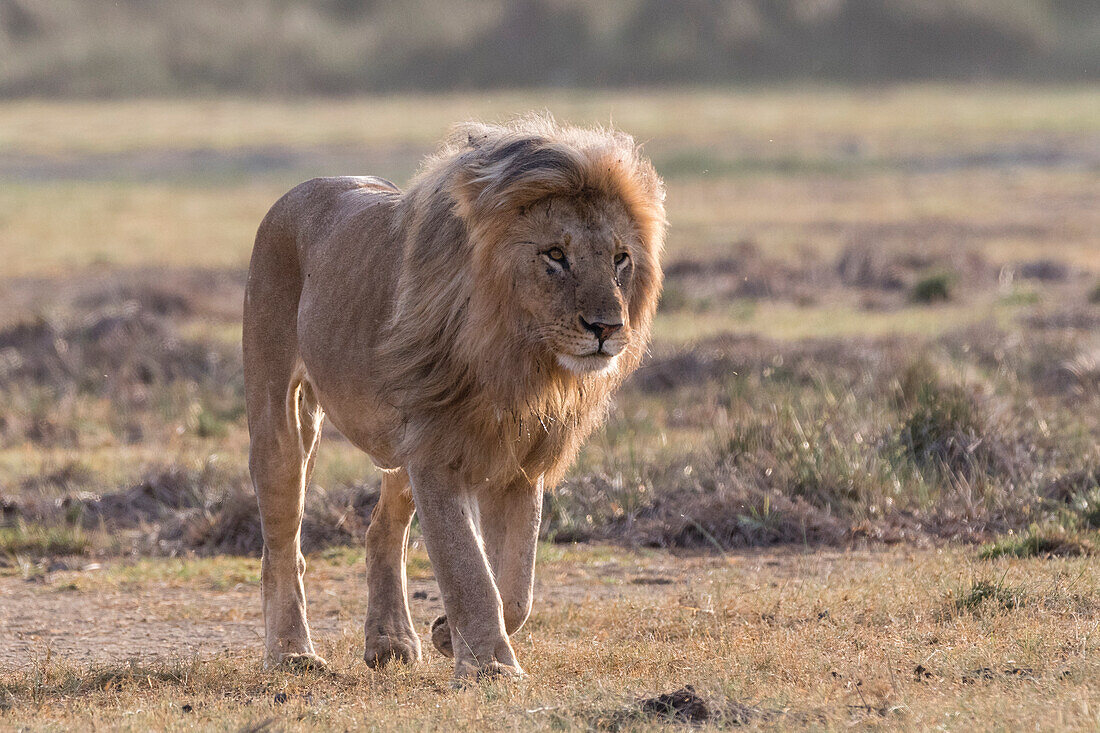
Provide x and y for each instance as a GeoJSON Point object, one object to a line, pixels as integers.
{"type": "Point", "coordinates": [467, 189]}
{"type": "Point", "coordinates": [486, 171]}
{"type": "Point", "coordinates": [512, 172]}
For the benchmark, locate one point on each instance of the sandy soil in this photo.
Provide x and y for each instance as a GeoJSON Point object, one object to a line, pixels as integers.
{"type": "Point", "coordinates": [98, 615]}
{"type": "Point", "coordinates": [118, 625]}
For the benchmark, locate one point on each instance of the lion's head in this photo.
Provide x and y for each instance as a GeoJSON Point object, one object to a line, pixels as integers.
{"type": "Point", "coordinates": [571, 220]}
{"type": "Point", "coordinates": [571, 261]}
{"type": "Point", "coordinates": [533, 251]}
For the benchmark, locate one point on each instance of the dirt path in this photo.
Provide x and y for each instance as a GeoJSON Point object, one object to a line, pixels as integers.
{"type": "Point", "coordinates": [94, 616]}
{"type": "Point", "coordinates": [116, 625]}
{"type": "Point", "coordinates": [105, 616]}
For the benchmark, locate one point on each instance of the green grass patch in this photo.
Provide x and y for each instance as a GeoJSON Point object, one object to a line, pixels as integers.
{"type": "Point", "coordinates": [419, 566]}
{"type": "Point", "coordinates": [1020, 297]}
{"type": "Point", "coordinates": [214, 573]}
{"type": "Point", "coordinates": [210, 424]}
{"type": "Point", "coordinates": [24, 539]}
{"type": "Point", "coordinates": [1054, 542]}
{"type": "Point", "coordinates": [342, 555]}
{"type": "Point", "coordinates": [984, 593]}
{"type": "Point", "coordinates": [932, 288]}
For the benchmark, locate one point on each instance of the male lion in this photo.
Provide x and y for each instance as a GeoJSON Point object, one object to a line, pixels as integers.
{"type": "Point", "coordinates": [467, 334]}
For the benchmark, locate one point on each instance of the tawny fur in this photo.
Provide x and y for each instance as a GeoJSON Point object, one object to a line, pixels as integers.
{"type": "Point", "coordinates": [414, 321]}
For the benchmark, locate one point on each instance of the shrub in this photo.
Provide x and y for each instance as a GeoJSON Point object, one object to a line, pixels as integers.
{"type": "Point", "coordinates": [941, 425]}
{"type": "Point", "coordinates": [932, 288]}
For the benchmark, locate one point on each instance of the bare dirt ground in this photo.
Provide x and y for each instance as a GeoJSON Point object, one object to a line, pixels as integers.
{"type": "Point", "coordinates": [106, 613]}
{"type": "Point", "coordinates": [114, 626]}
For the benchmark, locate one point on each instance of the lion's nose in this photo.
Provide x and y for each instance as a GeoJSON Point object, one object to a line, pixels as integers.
{"type": "Point", "coordinates": [602, 331]}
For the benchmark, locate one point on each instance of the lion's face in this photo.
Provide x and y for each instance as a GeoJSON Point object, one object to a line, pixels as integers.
{"type": "Point", "coordinates": [573, 279]}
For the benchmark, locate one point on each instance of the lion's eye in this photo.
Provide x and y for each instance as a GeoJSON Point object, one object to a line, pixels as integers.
{"type": "Point", "coordinates": [555, 259]}
{"type": "Point", "coordinates": [621, 259]}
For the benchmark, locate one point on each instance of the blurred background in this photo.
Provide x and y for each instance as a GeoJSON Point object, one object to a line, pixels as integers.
{"type": "Point", "coordinates": [883, 271]}
{"type": "Point", "coordinates": [112, 48]}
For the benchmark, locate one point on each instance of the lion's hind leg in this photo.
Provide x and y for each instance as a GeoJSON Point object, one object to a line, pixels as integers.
{"type": "Point", "coordinates": [283, 449]}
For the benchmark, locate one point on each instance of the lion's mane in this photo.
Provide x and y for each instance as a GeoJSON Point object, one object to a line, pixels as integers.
{"type": "Point", "coordinates": [452, 356]}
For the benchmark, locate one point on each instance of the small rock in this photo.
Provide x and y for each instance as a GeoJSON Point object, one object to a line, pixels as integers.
{"type": "Point", "coordinates": [682, 705]}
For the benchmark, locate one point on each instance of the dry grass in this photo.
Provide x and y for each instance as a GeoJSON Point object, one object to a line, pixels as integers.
{"type": "Point", "coordinates": [790, 121]}
{"type": "Point", "coordinates": [818, 441]}
{"type": "Point", "coordinates": [893, 641]}
{"type": "Point", "coordinates": [116, 225]}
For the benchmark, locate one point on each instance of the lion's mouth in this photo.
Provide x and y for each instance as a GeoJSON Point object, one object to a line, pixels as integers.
{"type": "Point", "coordinates": [594, 361]}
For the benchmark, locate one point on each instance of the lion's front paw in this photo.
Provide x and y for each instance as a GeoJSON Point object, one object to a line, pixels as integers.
{"type": "Point", "coordinates": [466, 672]}
{"type": "Point", "coordinates": [383, 649]}
{"type": "Point", "coordinates": [441, 636]}
{"type": "Point", "coordinates": [302, 662]}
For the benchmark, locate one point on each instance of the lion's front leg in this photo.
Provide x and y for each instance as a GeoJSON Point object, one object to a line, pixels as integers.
{"type": "Point", "coordinates": [510, 521]}
{"type": "Point", "coordinates": [448, 519]}
{"type": "Point", "coordinates": [389, 630]}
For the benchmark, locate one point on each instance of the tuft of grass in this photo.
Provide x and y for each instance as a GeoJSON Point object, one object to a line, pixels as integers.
{"type": "Point", "coordinates": [1090, 517]}
{"type": "Point", "coordinates": [940, 426]}
{"type": "Point", "coordinates": [32, 539]}
{"type": "Point", "coordinates": [65, 681]}
{"type": "Point", "coordinates": [1020, 296]}
{"type": "Point", "coordinates": [1037, 542]}
{"type": "Point", "coordinates": [984, 593]}
{"type": "Point", "coordinates": [933, 288]}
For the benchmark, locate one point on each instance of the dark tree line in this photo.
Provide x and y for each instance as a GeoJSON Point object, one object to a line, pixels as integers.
{"type": "Point", "coordinates": [105, 47]}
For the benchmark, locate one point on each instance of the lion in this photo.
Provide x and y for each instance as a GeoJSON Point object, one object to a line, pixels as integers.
{"type": "Point", "coordinates": [467, 334]}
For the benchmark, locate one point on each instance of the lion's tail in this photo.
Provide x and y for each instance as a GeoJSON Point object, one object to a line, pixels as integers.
{"type": "Point", "coordinates": [269, 337]}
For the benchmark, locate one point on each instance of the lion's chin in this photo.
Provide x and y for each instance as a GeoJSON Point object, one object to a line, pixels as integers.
{"type": "Point", "coordinates": [587, 364]}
